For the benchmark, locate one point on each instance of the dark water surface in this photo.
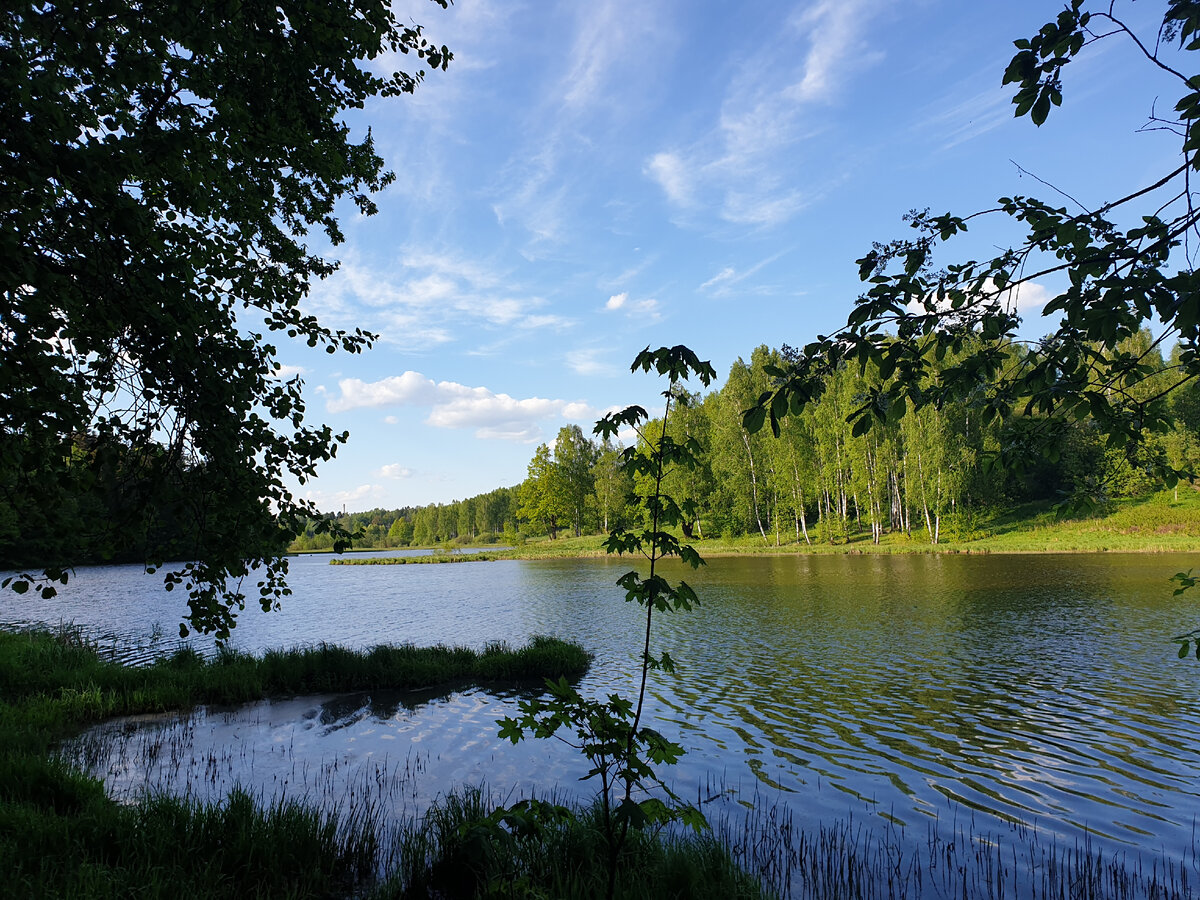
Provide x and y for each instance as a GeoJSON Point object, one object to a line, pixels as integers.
{"type": "Point", "coordinates": [913, 690]}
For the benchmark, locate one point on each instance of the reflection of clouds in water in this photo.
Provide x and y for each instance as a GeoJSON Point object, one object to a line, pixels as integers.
{"type": "Point", "coordinates": [401, 751]}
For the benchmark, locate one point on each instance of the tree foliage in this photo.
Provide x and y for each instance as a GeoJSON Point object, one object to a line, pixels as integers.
{"type": "Point", "coordinates": [163, 166]}
{"type": "Point", "coordinates": [1126, 263]}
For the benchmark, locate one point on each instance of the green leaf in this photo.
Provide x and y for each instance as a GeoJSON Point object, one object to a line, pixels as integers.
{"type": "Point", "coordinates": [753, 419]}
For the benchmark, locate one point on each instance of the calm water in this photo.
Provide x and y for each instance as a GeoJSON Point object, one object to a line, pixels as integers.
{"type": "Point", "coordinates": [911, 690]}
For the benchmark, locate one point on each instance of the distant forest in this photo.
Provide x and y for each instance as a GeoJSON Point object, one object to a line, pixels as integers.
{"type": "Point", "coordinates": [818, 481]}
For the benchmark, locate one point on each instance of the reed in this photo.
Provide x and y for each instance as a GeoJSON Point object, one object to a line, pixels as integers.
{"type": "Point", "coordinates": [62, 679]}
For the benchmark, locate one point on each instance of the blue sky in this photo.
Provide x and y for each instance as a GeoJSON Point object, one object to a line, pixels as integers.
{"type": "Point", "coordinates": [592, 177]}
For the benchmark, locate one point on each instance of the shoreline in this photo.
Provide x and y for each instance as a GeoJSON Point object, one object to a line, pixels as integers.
{"type": "Point", "coordinates": [766, 553]}
{"type": "Point", "coordinates": [1160, 523]}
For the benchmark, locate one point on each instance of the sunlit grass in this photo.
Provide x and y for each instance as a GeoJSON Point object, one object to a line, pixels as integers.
{"type": "Point", "coordinates": [1165, 522]}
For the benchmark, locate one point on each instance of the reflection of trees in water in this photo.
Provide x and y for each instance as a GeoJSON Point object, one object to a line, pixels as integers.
{"type": "Point", "coordinates": [1017, 686]}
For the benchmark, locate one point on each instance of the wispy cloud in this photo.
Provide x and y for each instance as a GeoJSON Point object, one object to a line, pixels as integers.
{"type": "Point", "coordinates": [727, 281]}
{"type": "Point", "coordinates": [646, 308]}
{"type": "Point", "coordinates": [958, 119]}
{"type": "Point", "coordinates": [453, 405]}
{"type": "Point", "coordinates": [629, 274]}
{"type": "Point", "coordinates": [596, 76]}
{"type": "Point", "coordinates": [591, 362]}
{"type": "Point", "coordinates": [746, 161]}
{"type": "Point", "coordinates": [426, 298]}
{"type": "Point", "coordinates": [833, 28]}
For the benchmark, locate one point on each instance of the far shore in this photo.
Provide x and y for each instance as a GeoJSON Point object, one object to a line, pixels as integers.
{"type": "Point", "coordinates": [1163, 523]}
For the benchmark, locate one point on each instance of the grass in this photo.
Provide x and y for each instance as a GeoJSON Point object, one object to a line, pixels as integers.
{"type": "Point", "coordinates": [1156, 524]}
{"type": "Point", "coordinates": [61, 836]}
{"type": "Point", "coordinates": [416, 560]}
{"type": "Point", "coordinates": [456, 852]}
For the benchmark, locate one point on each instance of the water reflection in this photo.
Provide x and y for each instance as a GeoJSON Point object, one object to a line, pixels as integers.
{"type": "Point", "coordinates": [1037, 689]}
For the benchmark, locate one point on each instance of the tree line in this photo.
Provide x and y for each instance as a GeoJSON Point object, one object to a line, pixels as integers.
{"type": "Point", "coordinates": [927, 474]}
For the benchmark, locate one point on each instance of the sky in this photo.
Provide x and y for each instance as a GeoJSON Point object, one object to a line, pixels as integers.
{"type": "Point", "coordinates": [591, 178]}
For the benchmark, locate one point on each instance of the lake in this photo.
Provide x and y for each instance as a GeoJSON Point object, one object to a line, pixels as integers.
{"type": "Point", "coordinates": [907, 693]}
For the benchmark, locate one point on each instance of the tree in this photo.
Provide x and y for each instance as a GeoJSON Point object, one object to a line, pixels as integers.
{"type": "Point", "coordinates": [1124, 269]}
{"type": "Point", "coordinates": [613, 486]}
{"type": "Point", "coordinates": [575, 456]}
{"type": "Point", "coordinates": [543, 495]}
{"type": "Point", "coordinates": [401, 532]}
{"type": "Point", "coordinates": [163, 166]}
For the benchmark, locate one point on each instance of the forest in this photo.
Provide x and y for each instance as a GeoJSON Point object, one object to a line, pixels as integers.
{"type": "Point", "coordinates": [925, 474]}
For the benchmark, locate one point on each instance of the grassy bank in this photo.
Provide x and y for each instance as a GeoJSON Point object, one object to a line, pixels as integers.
{"type": "Point", "coordinates": [1158, 524]}
{"type": "Point", "coordinates": [433, 558]}
{"type": "Point", "coordinates": [60, 836]}
{"type": "Point", "coordinates": [1167, 522]}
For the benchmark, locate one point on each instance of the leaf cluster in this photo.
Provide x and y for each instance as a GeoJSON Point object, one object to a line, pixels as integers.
{"type": "Point", "coordinates": [1120, 275]}
{"type": "Point", "coordinates": [163, 166]}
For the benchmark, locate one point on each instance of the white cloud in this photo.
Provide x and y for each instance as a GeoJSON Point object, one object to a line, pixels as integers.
{"type": "Point", "coordinates": [395, 470]}
{"type": "Point", "coordinates": [392, 420]}
{"type": "Point", "coordinates": [453, 405]}
{"type": "Point", "coordinates": [284, 372]}
{"type": "Point", "coordinates": [723, 283]}
{"type": "Point", "coordinates": [428, 298]}
{"type": "Point", "coordinates": [747, 159]}
{"type": "Point", "coordinates": [337, 499]}
{"type": "Point", "coordinates": [646, 309]}
{"type": "Point", "coordinates": [673, 176]}
{"type": "Point", "coordinates": [1024, 298]}
{"type": "Point", "coordinates": [409, 389]}
{"type": "Point", "coordinates": [589, 362]}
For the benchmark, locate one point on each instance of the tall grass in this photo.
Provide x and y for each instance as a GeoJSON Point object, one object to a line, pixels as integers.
{"type": "Point", "coordinates": [850, 860]}
{"type": "Point", "coordinates": [456, 851]}
{"type": "Point", "coordinates": [64, 675]}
